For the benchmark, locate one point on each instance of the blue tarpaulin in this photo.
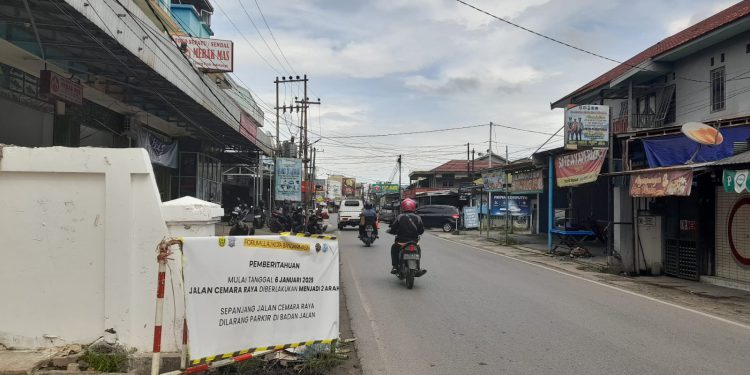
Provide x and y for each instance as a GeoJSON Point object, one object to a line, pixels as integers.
{"type": "Point", "coordinates": [677, 149]}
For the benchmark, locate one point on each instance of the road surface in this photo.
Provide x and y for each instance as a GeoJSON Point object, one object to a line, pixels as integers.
{"type": "Point", "coordinates": [476, 312]}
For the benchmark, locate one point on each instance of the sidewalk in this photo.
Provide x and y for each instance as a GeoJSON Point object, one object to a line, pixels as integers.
{"type": "Point", "coordinates": [726, 303]}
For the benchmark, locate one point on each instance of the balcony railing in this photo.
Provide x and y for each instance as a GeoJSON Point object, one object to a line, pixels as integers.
{"type": "Point", "coordinates": [647, 121]}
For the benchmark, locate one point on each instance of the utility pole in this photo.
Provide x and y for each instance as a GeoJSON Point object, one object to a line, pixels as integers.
{"type": "Point", "coordinates": [507, 199]}
{"type": "Point", "coordinates": [400, 194]}
{"type": "Point", "coordinates": [489, 193]}
{"type": "Point", "coordinates": [472, 173]}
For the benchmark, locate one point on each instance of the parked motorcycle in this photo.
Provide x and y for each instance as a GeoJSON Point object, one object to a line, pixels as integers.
{"type": "Point", "coordinates": [259, 217]}
{"type": "Point", "coordinates": [408, 266]}
{"type": "Point", "coordinates": [241, 221]}
{"type": "Point", "coordinates": [368, 237]}
{"type": "Point", "coordinates": [315, 224]}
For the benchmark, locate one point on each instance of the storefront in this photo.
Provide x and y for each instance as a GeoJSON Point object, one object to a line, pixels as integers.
{"type": "Point", "coordinates": [731, 222]}
{"type": "Point", "coordinates": [674, 221]}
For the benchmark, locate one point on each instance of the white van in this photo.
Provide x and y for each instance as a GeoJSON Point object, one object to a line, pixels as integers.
{"type": "Point", "coordinates": [349, 210]}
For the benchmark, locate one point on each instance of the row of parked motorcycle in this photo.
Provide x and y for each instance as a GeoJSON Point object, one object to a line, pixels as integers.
{"type": "Point", "coordinates": [244, 220]}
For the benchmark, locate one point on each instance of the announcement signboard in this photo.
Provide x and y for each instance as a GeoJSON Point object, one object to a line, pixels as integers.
{"type": "Point", "coordinates": [586, 126]}
{"type": "Point", "coordinates": [529, 182]}
{"type": "Point", "coordinates": [288, 179]}
{"type": "Point", "coordinates": [208, 55]}
{"type": "Point", "coordinates": [246, 293]}
{"type": "Point", "coordinates": [579, 168]}
{"type": "Point", "coordinates": [58, 87]}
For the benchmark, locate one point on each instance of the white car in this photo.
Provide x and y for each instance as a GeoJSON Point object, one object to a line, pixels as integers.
{"type": "Point", "coordinates": [349, 211]}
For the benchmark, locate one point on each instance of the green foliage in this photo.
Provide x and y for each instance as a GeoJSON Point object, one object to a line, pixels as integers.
{"type": "Point", "coordinates": [105, 358]}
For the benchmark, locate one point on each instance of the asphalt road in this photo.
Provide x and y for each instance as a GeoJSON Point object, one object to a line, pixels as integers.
{"type": "Point", "coordinates": [476, 312]}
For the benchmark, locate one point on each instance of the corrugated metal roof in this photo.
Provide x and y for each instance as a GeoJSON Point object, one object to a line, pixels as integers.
{"type": "Point", "coordinates": [743, 158]}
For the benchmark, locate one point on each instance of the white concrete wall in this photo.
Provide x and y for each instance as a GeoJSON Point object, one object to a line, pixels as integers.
{"type": "Point", "coordinates": [78, 232]}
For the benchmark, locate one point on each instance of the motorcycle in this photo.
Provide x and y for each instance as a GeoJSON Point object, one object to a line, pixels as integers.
{"type": "Point", "coordinates": [259, 217]}
{"type": "Point", "coordinates": [408, 265]}
{"type": "Point", "coordinates": [315, 224]}
{"type": "Point", "coordinates": [239, 221]}
{"type": "Point", "coordinates": [369, 236]}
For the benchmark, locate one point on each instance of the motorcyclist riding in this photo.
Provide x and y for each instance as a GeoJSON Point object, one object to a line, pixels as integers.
{"type": "Point", "coordinates": [407, 227]}
{"type": "Point", "coordinates": [368, 216]}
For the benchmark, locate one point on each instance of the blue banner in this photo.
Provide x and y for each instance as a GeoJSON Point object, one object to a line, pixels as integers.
{"type": "Point", "coordinates": [517, 204]}
{"type": "Point", "coordinates": [677, 149]}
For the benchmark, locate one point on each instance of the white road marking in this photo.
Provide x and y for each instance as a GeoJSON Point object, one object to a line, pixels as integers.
{"type": "Point", "coordinates": [371, 319]}
{"type": "Point", "coordinates": [707, 315]}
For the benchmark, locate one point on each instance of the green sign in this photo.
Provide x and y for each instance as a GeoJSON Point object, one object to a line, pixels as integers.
{"type": "Point", "coordinates": [385, 188]}
{"type": "Point", "coordinates": [735, 181]}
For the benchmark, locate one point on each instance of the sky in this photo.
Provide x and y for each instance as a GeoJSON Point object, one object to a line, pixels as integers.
{"type": "Point", "coordinates": [394, 66]}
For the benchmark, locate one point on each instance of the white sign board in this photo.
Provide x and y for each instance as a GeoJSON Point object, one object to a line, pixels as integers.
{"type": "Point", "coordinates": [471, 217]}
{"type": "Point", "coordinates": [288, 179]}
{"type": "Point", "coordinates": [208, 55]}
{"type": "Point", "coordinates": [247, 293]}
{"type": "Point", "coordinates": [333, 190]}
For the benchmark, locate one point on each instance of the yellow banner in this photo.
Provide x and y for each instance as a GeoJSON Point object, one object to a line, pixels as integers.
{"type": "Point", "coordinates": [277, 245]}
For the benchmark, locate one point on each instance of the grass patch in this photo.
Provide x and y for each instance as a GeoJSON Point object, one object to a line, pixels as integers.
{"type": "Point", "coordinates": [106, 358]}
{"type": "Point", "coordinates": [319, 358]}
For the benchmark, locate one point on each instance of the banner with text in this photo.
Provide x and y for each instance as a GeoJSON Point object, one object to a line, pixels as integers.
{"type": "Point", "coordinates": [529, 182]}
{"type": "Point", "coordinates": [471, 217]}
{"type": "Point", "coordinates": [288, 179]}
{"type": "Point", "coordinates": [349, 188]}
{"type": "Point", "coordinates": [586, 126]}
{"type": "Point", "coordinates": [661, 184]}
{"type": "Point", "coordinates": [208, 55]}
{"type": "Point", "coordinates": [245, 293]}
{"type": "Point", "coordinates": [494, 181]}
{"type": "Point", "coordinates": [579, 168]}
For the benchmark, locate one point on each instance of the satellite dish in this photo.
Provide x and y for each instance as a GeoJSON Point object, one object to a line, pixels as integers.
{"type": "Point", "coordinates": [702, 133]}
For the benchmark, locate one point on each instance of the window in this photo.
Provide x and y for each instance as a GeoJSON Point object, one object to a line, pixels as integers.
{"type": "Point", "coordinates": [447, 180]}
{"type": "Point", "coordinates": [718, 82]}
{"type": "Point", "coordinates": [351, 203]}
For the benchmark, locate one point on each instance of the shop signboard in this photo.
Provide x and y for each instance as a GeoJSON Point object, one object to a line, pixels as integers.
{"type": "Point", "coordinates": [661, 183]}
{"type": "Point", "coordinates": [494, 181]}
{"type": "Point", "coordinates": [735, 181]}
{"type": "Point", "coordinates": [57, 87]}
{"type": "Point", "coordinates": [471, 217]}
{"type": "Point", "coordinates": [208, 55]}
{"type": "Point", "coordinates": [384, 188]}
{"type": "Point", "coordinates": [529, 182]}
{"type": "Point", "coordinates": [288, 179]}
{"type": "Point", "coordinates": [518, 205]}
{"type": "Point", "coordinates": [579, 168]}
{"type": "Point", "coordinates": [586, 126]}
{"type": "Point", "coordinates": [248, 128]}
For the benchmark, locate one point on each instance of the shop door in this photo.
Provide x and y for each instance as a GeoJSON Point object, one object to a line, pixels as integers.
{"type": "Point", "coordinates": [681, 255]}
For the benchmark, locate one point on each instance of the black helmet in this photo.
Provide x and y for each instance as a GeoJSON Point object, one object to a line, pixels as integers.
{"type": "Point", "coordinates": [368, 205]}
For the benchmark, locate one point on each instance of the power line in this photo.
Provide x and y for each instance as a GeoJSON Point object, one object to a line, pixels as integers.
{"type": "Point", "coordinates": [274, 37]}
{"type": "Point", "coordinates": [405, 133]}
{"type": "Point", "coordinates": [567, 44]}
{"type": "Point", "coordinates": [260, 34]}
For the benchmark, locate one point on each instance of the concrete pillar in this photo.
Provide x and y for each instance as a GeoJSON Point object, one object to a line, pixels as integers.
{"type": "Point", "coordinates": [191, 217]}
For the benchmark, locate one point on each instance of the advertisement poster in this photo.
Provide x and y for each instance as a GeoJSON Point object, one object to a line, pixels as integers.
{"type": "Point", "coordinates": [349, 187]}
{"type": "Point", "coordinates": [586, 126]}
{"type": "Point", "coordinates": [517, 204]}
{"type": "Point", "coordinates": [208, 55]}
{"type": "Point", "coordinates": [494, 181]}
{"type": "Point", "coordinates": [579, 168]}
{"type": "Point", "coordinates": [159, 152]}
{"type": "Point", "coordinates": [529, 182]}
{"type": "Point", "coordinates": [471, 217]}
{"type": "Point", "coordinates": [245, 293]}
{"type": "Point", "coordinates": [661, 184]}
{"type": "Point", "coordinates": [384, 188]}
{"type": "Point", "coordinates": [333, 190]}
{"type": "Point", "coordinates": [288, 179]}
